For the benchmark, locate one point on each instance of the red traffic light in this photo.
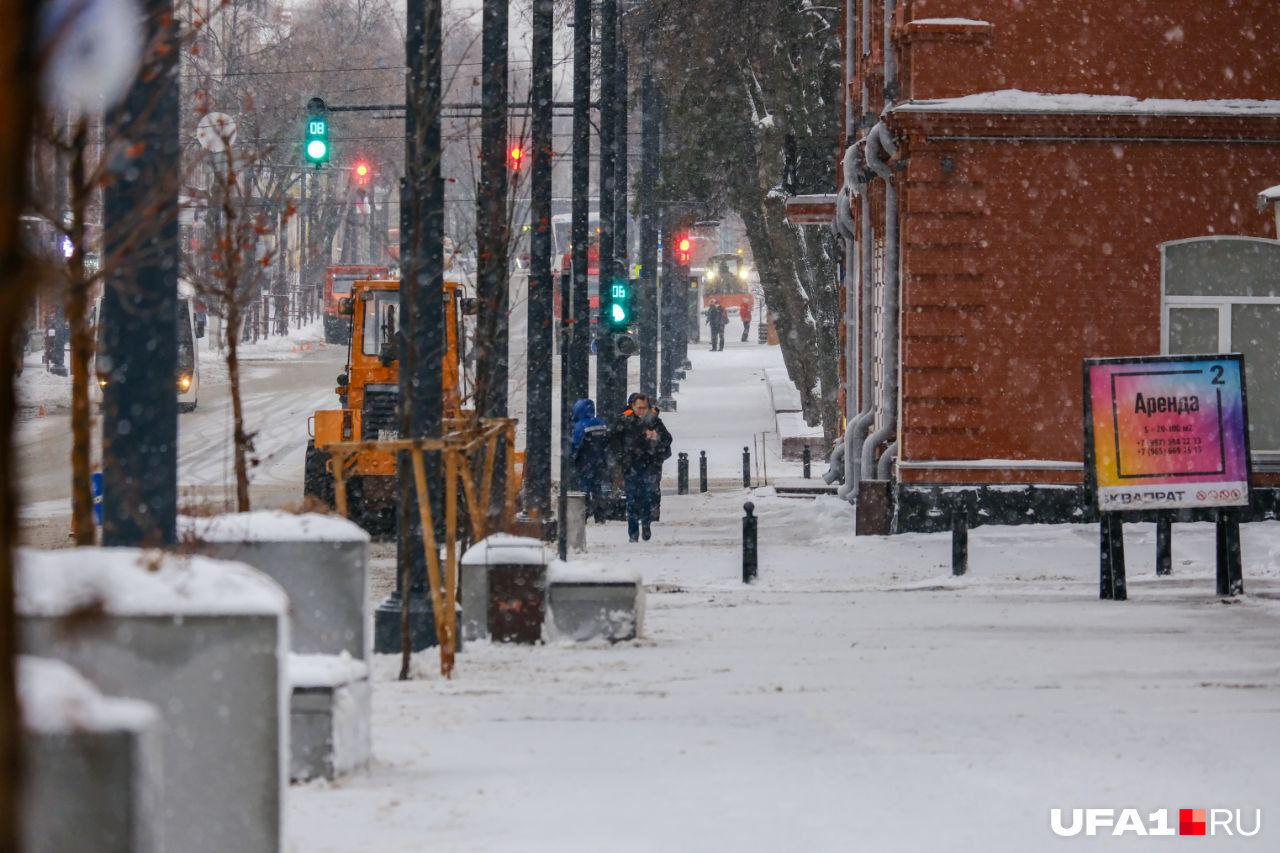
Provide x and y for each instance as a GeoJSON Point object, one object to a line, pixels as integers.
{"type": "Point", "coordinates": [517, 157]}
{"type": "Point", "coordinates": [683, 248]}
{"type": "Point", "coordinates": [362, 173]}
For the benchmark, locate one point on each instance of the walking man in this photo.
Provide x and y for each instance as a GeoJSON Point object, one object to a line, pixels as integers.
{"type": "Point", "coordinates": [744, 314]}
{"type": "Point", "coordinates": [643, 445]}
{"type": "Point", "coordinates": [716, 319]}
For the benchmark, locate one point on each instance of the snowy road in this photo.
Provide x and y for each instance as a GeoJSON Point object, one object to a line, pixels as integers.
{"type": "Point", "coordinates": [280, 393]}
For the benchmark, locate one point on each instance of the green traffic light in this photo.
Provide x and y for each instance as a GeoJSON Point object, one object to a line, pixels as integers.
{"type": "Point", "coordinates": [619, 314]}
{"type": "Point", "coordinates": [619, 304]}
{"type": "Point", "coordinates": [317, 149]}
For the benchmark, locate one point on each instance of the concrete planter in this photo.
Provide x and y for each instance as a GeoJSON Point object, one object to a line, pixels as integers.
{"type": "Point", "coordinates": [589, 601]}
{"type": "Point", "coordinates": [202, 640]}
{"type": "Point", "coordinates": [513, 556]}
{"type": "Point", "coordinates": [91, 765]}
{"type": "Point", "coordinates": [321, 561]}
{"type": "Point", "coordinates": [330, 716]}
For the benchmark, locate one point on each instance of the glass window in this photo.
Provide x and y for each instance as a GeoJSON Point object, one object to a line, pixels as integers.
{"type": "Point", "coordinates": [1255, 330]}
{"type": "Point", "coordinates": [1193, 331]}
{"type": "Point", "coordinates": [186, 343]}
{"type": "Point", "coordinates": [381, 321]}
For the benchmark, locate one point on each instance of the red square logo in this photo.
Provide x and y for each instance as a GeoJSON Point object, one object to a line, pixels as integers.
{"type": "Point", "coordinates": [1191, 821]}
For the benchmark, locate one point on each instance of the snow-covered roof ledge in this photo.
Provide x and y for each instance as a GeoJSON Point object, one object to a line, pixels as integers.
{"type": "Point", "coordinates": [1016, 101]}
{"type": "Point", "coordinates": [948, 29]}
{"type": "Point", "coordinates": [1271, 196]}
{"type": "Point", "coordinates": [811, 209]}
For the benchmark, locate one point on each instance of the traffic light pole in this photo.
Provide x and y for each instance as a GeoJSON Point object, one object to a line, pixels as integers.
{"type": "Point", "coordinates": [606, 359]}
{"type": "Point", "coordinates": [647, 301]}
{"type": "Point", "coordinates": [579, 356]}
{"type": "Point", "coordinates": [493, 240]}
{"type": "Point", "coordinates": [537, 460]}
{"type": "Point", "coordinates": [140, 307]}
{"type": "Point", "coordinates": [422, 319]}
{"type": "Point", "coordinates": [666, 313]}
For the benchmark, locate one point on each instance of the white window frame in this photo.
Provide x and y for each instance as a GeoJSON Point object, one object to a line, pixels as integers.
{"type": "Point", "coordinates": [1262, 459]}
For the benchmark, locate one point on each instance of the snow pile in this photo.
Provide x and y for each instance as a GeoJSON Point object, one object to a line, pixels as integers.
{"type": "Point", "coordinates": [55, 698]}
{"type": "Point", "coordinates": [134, 582]}
{"type": "Point", "coordinates": [1018, 101]}
{"type": "Point", "coordinates": [586, 571]}
{"type": "Point", "coordinates": [37, 388]}
{"type": "Point", "coordinates": [502, 549]}
{"type": "Point", "coordinates": [270, 526]}
{"type": "Point", "coordinates": [325, 670]}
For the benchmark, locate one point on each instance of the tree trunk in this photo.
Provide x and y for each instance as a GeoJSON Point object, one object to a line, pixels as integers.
{"type": "Point", "coordinates": [17, 104]}
{"type": "Point", "coordinates": [787, 305]}
{"type": "Point", "coordinates": [242, 440]}
{"type": "Point", "coordinates": [82, 345]}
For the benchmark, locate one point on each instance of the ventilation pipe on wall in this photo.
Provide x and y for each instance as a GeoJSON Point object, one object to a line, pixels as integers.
{"type": "Point", "coordinates": [879, 140]}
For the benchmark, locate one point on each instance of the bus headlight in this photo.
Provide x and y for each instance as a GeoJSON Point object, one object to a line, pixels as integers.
{"type": "Point", "coordinates": [184, 383]}
{"type": "Point", "coordinates": [743, 273]}
{"type": "Point", "coordinates": [102, 382]}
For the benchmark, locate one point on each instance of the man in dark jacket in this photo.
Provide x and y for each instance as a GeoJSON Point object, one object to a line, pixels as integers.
{"type": "Point", "coordinates": [589, 450]}
{"type": "Point", "coordinates": [717, 318]}
{"type": "Point", "coordinates": [643, 444]}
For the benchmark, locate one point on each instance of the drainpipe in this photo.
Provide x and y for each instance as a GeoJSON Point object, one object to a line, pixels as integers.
{"type": "Point", "coordinates": [843, 228]}
{"type": "Point", "coordinates": [856, 429]}
{"type": "Point", "coordinates": [879, 140]}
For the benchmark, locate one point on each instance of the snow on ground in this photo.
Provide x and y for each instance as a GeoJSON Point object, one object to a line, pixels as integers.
{"type": "Point", "coordinates": [857, 697]}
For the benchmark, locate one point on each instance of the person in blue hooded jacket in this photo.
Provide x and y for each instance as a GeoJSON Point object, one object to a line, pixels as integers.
{"type": "Point", "coordinates": [589, 450]}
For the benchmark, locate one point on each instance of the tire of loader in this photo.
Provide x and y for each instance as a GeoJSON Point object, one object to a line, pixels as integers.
{"type": "Point", "coordinates": [317, 482]}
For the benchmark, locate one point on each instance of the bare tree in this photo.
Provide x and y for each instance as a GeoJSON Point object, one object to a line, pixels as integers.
{"type": "Point", "coordinates": [238, 266]}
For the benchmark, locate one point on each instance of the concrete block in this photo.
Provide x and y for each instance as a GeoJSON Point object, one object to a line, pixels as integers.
{"type": "Point", "coordinates": [321, 561]}
{"type": "Point", "coordinates": [497, 550]}
{"type": "Point", "coordinates": [203, 641]}
{"type": "Point", "coordinates": [588, 602]}
{"type": "Point", "coordinates": [330, 716]}
{"type": "Point", "coordinates": [91, 765]}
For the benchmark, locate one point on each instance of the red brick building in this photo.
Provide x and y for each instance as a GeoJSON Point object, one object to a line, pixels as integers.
{"type": "Point", "coordinates": [1033, 158]}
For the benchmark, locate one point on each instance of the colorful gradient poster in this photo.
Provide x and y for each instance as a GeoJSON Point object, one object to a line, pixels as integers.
{"type": "Point", "coordinates": [1167, 432]}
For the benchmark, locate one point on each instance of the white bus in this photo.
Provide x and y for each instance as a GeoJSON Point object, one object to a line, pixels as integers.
{"type": "Point", "coordinates": [187, 382]}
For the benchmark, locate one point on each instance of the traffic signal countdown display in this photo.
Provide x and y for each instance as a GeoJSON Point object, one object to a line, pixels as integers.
{"type": "Point", "coordinates": [315, 140]}
{"type": "Point", "coordinates": [619, 305]}
{"type": "Point", "coordinates": [684, 248]}
{"type": "Point", "coordinates": [515, 157]}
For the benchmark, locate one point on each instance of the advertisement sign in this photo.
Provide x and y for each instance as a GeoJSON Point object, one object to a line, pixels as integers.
{"type": "Point", "coordinates": [1166, 432]}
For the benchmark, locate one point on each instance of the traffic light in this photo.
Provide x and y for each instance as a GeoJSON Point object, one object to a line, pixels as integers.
{"type": "Point", "coordinates": [684, 248]}
{"type": "Point", "coordinates": [315, 142]}
{"type": "Point", "coordinates": [362, 172]}
{"type": "Point", "coordinates": [619, 304]}
{"type": "Point", "coordinates": [516, 157]}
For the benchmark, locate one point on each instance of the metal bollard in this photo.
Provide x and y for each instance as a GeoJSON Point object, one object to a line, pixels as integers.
{"type": "Point", "coordinates": [746, 467]}
{"type": "Point", "coordinates": [749, 549]}
{"type": "Point", "coordinates": [682, 474]}
{"type": "Point", "coordinates": [807, 459]}
{"type": "Point", "coordinates": [702, 472]}
{"type": "Point", "coordinates": [1164, 543]}
{"type": "Point", "coordinates": [959, 536]}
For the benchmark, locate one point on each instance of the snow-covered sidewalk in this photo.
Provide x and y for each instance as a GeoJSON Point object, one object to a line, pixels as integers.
{"type": "Point", "coordinates": [857, 697]}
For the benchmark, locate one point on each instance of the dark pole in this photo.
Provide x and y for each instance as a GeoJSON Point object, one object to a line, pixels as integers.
{"type": "Point", "coordinates": [422, 326]}
{"type": "Point", "coordinates": [566, 345]}
{"type": "Point", "coordinates": [491, 219]}
{"type": "Point", "coordinates": [666, 318]}
{"type": "Point", "coordinates": [140, 307]}
{"type": "Point", "coordinates": [579, 367]}
{"type": "Point", "coordinates": [648, 292]}
{"type": "Point", "coordinates": [621, 246]}
{"type": "Point", "coordinates": [608, 126]}
{"type": "Point", "coordinates": [1164, 543]}
{"type": "Point", "coordinates": [537, 461]}
{"type": "Point", "coordinates": [492, 241]}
